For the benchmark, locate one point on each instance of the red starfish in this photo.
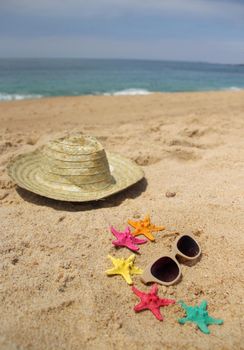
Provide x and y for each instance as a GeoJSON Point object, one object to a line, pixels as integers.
{"type": "Point", "coordinates": [151, 301]}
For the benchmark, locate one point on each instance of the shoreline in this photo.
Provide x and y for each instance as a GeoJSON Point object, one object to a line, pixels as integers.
{"type": "Point", "coordinates": [120, 93]}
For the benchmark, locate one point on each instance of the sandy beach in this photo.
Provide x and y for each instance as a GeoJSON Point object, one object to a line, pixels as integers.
{"type": "Point", "coordinates": [53, 288]}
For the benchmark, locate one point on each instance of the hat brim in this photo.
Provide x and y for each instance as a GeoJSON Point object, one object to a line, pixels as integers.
{"type": "Point", "coordinates": [26, 172]}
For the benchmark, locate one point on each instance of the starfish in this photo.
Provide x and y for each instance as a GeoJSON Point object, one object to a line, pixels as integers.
{"type": "Point", "coordinates": [145, 228]}
{"type": "Point", "coordinates": [124, 267]}
{"type": "Point", "coordinates": [151, 301]}
{"type": "Point", "coordinates": [199, 315]}
{"type": "Point", "coordinates": [125, 239]}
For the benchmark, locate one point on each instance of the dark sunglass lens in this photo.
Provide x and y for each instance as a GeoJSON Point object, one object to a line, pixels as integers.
{"type": "Point", "coordinates": [188, 246]}
{"type": "Point", "coordinates": [165, 269]}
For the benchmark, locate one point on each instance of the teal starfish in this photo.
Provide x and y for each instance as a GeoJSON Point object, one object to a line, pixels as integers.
{"type": "Point", "coordinates": [198, 315]}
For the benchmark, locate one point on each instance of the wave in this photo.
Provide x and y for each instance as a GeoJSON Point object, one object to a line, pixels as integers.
{"type": "Point", "coordinates": [17, 97]}
{"type": "Point", "coordinates": [126, 92]}
{"type": "Point", "coordinates": [233, 88]}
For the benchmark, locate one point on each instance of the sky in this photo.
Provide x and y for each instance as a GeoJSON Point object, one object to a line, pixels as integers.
{"type": "Point", "coordinates": [188, 30]}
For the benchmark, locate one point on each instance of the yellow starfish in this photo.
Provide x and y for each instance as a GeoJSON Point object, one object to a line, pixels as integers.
{"type": "Point", "coordinates": [145, 228]}
{"type": "Point", "coordinates": [124, 267]}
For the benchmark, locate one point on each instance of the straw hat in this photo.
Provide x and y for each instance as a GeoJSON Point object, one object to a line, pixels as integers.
{"type": "Point", "coordinates": [74, 168]}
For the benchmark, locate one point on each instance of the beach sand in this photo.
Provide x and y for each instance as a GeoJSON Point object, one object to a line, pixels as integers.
{"type": "Point", "coordinates": [54, 292]}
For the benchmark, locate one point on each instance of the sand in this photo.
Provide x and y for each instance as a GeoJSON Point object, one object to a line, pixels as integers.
{"type": "Point", "coordinates": [54, 292]}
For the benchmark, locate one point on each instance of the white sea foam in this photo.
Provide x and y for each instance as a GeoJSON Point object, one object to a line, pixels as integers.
{"type": "Point", "coordinates": [17, 97]}
{"type": "Point", "coordinates": [127, 92]}
{"type": "Point", "coordinates": [233, 88]}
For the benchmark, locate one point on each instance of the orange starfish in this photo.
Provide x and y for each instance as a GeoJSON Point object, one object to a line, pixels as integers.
{"type": "Point", "coordinates": [145, 228]}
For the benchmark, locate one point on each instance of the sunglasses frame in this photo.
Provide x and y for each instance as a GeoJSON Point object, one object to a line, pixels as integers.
{"type": "Point", "coordinates": [147, 276]}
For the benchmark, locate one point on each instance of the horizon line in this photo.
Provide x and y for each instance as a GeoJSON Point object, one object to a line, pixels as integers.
{"type": "Point", "coordinates": [120, 59]}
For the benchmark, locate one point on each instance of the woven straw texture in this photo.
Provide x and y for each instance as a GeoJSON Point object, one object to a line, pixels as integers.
{"type": "Point", "coordinates": [74, 168]}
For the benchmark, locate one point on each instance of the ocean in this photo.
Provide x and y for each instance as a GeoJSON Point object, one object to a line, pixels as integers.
{"type": "Point", "coordinates": [36, 78]}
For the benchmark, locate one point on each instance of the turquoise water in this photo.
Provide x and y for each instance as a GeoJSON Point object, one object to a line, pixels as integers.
{"type": "Point", "coordinates": [29, 78]}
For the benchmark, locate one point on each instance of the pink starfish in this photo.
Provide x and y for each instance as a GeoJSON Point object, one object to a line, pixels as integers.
{"type": "Point", "coordinates": [151, 301]}
{"type": "Point", "coordinates": [126, 239]}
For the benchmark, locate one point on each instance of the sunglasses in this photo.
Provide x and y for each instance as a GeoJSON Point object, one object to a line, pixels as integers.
{"type": "Point", "coordinates": [166, 269]}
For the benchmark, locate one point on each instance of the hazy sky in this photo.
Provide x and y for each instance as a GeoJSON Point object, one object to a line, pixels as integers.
{"type": "Point", "coordinates": [196, 30]}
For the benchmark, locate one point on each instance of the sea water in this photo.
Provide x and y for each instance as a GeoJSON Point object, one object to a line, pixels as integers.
{"type": "Point", "coordinates": [36, 78]}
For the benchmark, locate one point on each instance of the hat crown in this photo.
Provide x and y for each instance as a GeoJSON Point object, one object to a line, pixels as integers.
{"type": "Point", "coordinates": [77, 159]}
{"type": "Point", "coordinates": [76, 144]}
